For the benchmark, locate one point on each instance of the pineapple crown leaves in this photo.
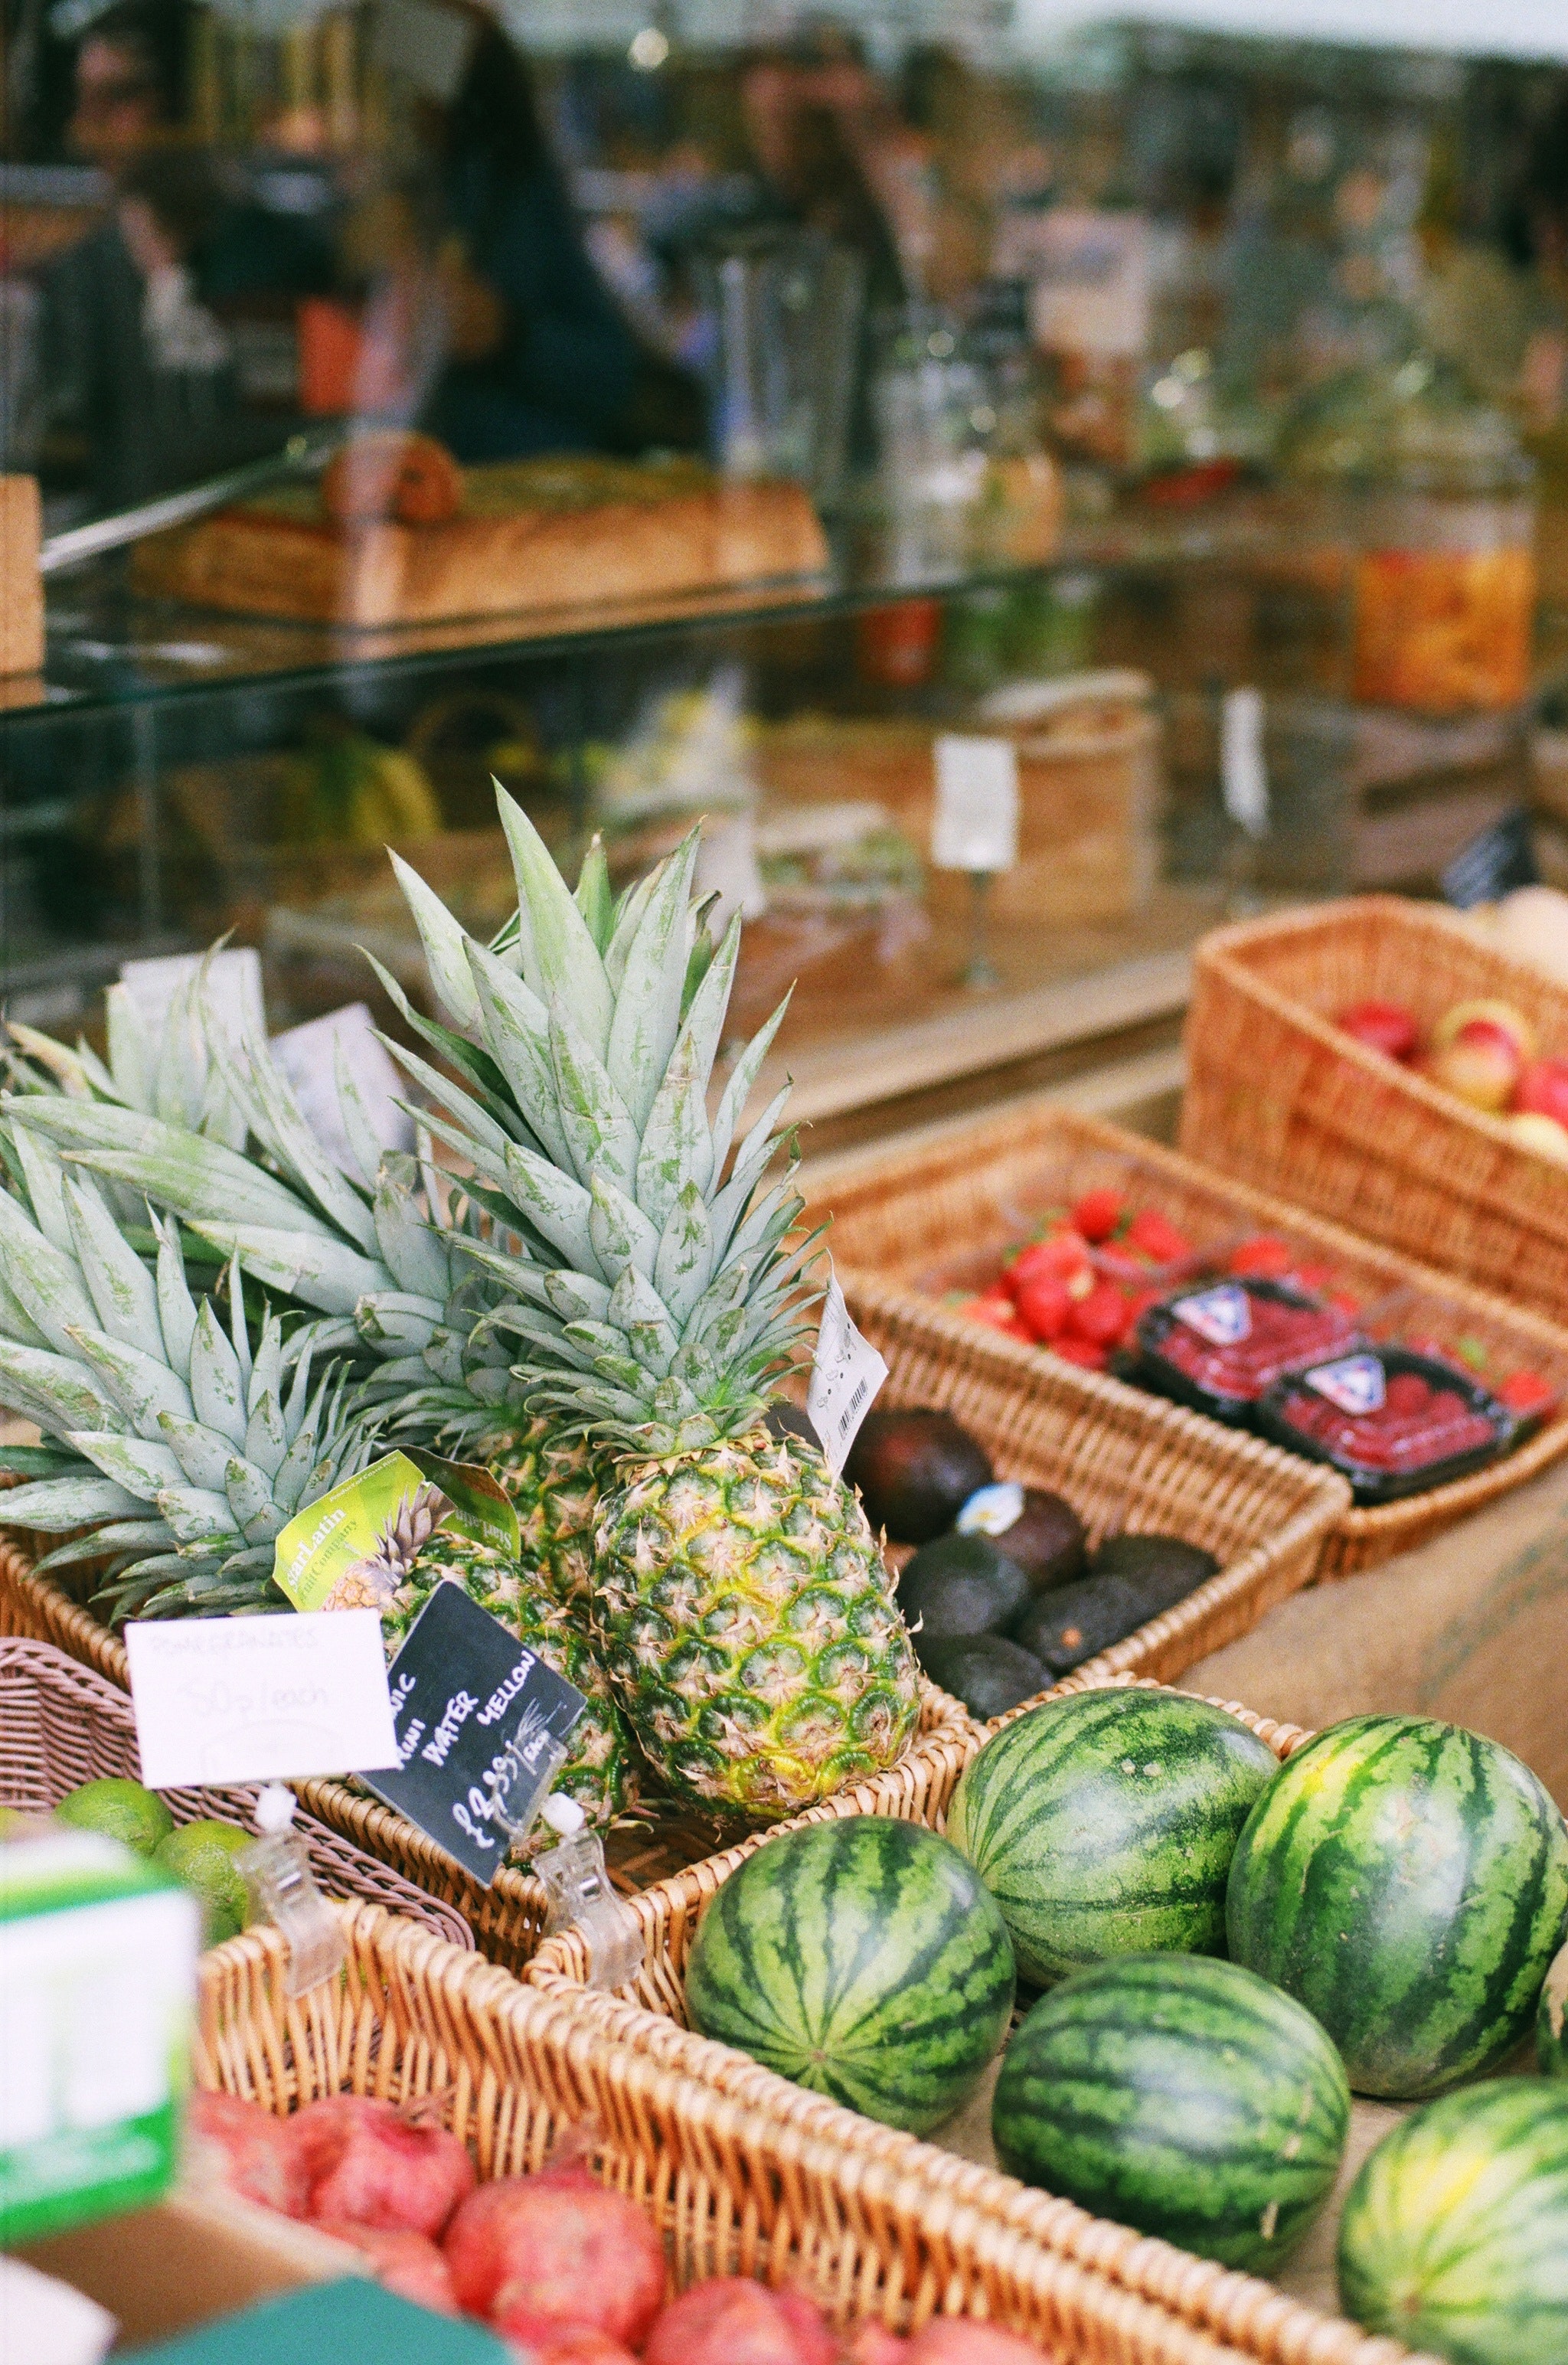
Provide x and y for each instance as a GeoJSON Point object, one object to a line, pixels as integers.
{"type": "Point", "coordinates": [167, 1071]}
{"type": "Point", "coordinates": [657, 1295]}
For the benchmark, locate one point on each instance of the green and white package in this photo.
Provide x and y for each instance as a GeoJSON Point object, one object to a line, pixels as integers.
{"type": "Point", "coordinates": [347, 1549]}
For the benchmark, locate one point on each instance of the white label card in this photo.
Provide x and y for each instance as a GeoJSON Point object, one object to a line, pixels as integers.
{"type": "Point", "coordinates": [233, 987]}
{"type": "Point", "coordinates": [976, 822]}
{"type": "Point", "coordinates": [1243, 770]}
{"type": "Point", "coordinates": [844, 1381]}
{"type": "Point", "coordinates": [1354, 1384]}
{"type": "Point", "coordinates": [260, 1699]}
{"type": "Point", "coordinates": [309, 1058]}
{"type": "Point", "coordinates": [1222, 1315]}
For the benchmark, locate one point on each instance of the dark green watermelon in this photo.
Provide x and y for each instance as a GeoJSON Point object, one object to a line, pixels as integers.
{"type": "Point", "coordinates": [1105, 1825]}
{"type": "Point", "coordinates": [1552, 2019]}
{"type": "Point", "coordinates": [1454, 2237]}
{"type": "Point", "coordinates": [862, 1958]}
{"type": "Point", "coordinates": [1179, 2095]}
{"type": "Point", "coordinates": [1408, 1882]}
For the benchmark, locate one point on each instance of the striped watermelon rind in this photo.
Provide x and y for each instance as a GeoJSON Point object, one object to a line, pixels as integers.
{"type": "Point", "coordinates": [862, 1958]}
{"type": "Point", "coordinates": [1552, 2019]}
{"type": "Point", "coordinates": [1455, 2235]}
{"type": "Point", "coordinates": [1179, 2095]}
{"type": "Point", "coordinates": [1407, 1881]}
{"type": "Point", "coordinates": [1104, 1824]}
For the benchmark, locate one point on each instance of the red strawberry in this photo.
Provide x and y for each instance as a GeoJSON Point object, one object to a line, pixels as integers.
{"type": "Point", "coordinates": [1044, 1306]}
{"type": "Point", "coordinates": [1102, 1317]}
{"type": "Point", "coordinates": [1527, 1392]}
{"type": "Point", "coordinates": [1064, 1254]}
{"type": "Point", "coordinates": [989, 1306]}
{"type": "Point", "coordinates": [1080, 1350]}
{"type": "Point", "coordinates": [1158, 1238]}
{"type": "Point", "coordinates": [1264, 1259]}
{"type": "Point", "coordinates": [1097, 1214]}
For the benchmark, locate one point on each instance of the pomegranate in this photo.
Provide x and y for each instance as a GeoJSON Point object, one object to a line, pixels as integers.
{"type": "Point", "coordinates": [956, 2340]}
{"type": "Point", "coordinates": [561, 2343]}
{"type": "Point", "coordinates": [408, 2264]}
{"type": "Point", "coordinates": [249, 2150]}
{"type": "Point", "coordinates": [871, 2345]}
{"type": "Point", "coordinates": [367, 2163]}
{"type": "Point", "coordinates": [730, 2320]}
{"type": "Point", "coordinates": [557, 2248]}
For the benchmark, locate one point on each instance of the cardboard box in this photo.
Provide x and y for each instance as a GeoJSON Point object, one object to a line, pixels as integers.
{"type": "Point", "coordinates": [21, 585]}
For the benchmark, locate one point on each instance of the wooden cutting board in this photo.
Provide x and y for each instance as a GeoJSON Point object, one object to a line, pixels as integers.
{"type": "Point", "coordinates": [531, 534]}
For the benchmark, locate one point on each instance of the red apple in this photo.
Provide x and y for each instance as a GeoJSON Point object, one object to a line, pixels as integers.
{"type": "Point", "coordinates": [1499, 1016]}
{"type": "Point", "coordinates": [1543, 1089]}
{"type": "Point", "coordinates": [1385, 1026]}
{"type": "Point", "coordinates": [1481, 1064]}
{"type": "Point", "coordinates": [1542, 1134]}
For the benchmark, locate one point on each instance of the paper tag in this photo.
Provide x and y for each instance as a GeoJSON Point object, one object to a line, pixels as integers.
{"type": "Point", "coordinates": [845, 1376]}
{"type": "Point", "coordinates": [1244, 775]}
{"type": "Point", "coordinates": [352, 1549]}
{"type": "Point", "coordinates": [308, 1056]}
{"type": "Point", "coordinates": [727, 867]}
{"type": "Point", "coordinates": [482, 1727]}
{"type": "Point", "coordinates": [259, 1699]}
{"type": "Point", "coordinates": [976, 822]}
{"type": "Point", "coordinates": [1222, 1315]}
{"type": "Point", "coordinates": [234, 988]}
{"type": "Point", "coordinates": [1354, 1383]}
{"type": "Point", "coordinates": [991, 1510]}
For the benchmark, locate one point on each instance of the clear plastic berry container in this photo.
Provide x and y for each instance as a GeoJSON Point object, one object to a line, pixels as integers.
{"type": "Point", "coordinates": [1395, 1422]}
{"type": "Point", "coordinates": [1221, 1347]}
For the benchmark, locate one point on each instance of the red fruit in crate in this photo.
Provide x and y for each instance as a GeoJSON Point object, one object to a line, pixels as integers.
{"type": "Point", "coordinates": [1044, 1306]}
{"type": "Point", "coordinates": [874, 2345]}
{"type": "Point", "coordinates": [1544, 1091]}
{"type": "Point", "coordinates": [369, 2165]}
{"type": "Point", "coordinates": [1481, 1065]}
{"type": "Point", "coordinates": [1082, 1351]}
{"type": "Point", "coordinates": [1158, 1238]}
{"type": "Point", "coordinates": [247, 2149]}
{"type": "Point", "coordinates": [1097, 1214]}
{"type": "Point", "coordinates": [408, 2264]}
{"type": "Point", "coordinates": [1527, 1392]}
{"type": "Point", "coordinates": [560, 2248]}
{"type": "Point", "coordinates": [1064, 1257]}
{"type": "Point", "coordinates": [532, 2343]}
{"type": "Point", "coordinates": [1406, 1394]}
{"type": "Point", "coordinates": [730, 2320]}
{"type": "Point", "coordinates": [1485, 1022]}
{"type": "Point", "coordinates": [991, 1309]}
{"type": "Point", "coordinates": [1385, 1026]}
{"type": "Point", "coordinates": [1265, 1257]}
{"type": "Point", "coordinates": [950, 2340]}
{"type": "Point", "coordinates": [1317, 1278]}
{"type": "Point", "coordinates": [1102, 1317]}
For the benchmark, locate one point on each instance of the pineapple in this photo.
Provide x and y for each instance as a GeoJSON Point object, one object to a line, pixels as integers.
{"type": "Point", "coordinates": [740, 1598]}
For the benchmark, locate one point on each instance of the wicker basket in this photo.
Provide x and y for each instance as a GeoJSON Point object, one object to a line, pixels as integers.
{"type": "Point", "coordinates": [905, 1226]}
{"type": "Point", "coordinates": [60, 1725]}
{"type": "Point", "coordinates": [508, 1918]}
{"type": "Point", "coordinates": [1280, 1098]}
{"type": "Point", "coordinates": [649, 2018]}
{"type": "Point", "coordinates": [733, 2191]}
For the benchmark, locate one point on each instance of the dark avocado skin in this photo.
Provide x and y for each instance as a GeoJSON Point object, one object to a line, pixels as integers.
{"type": "Point", "coordinates": [916, 1470]}
{"type": "Point", "coordinates": [1047, 1540]}
{"type": "Point", "coordinates": [1132, 1578]}
{"type": "Point", "coordinates": [987, 1672]}
{"type": "Point", "coordinates": [1167, 1561]}
{"type": "Point", "coordinates": [961, 1585]}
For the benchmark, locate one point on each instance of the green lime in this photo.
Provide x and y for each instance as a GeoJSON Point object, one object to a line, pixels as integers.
{"type": "Point", "coordinates": [202, 1855]}
{"type": "Point", "coordinates": [122, 1810]}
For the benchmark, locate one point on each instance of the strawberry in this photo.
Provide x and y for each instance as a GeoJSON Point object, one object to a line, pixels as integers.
{"type": "Point", "coordinates": [1102, 1317]}
{"type": "Point", "coordinates": [1063, 1254]}
{"type": "Point", "coordinates": [1263, 1257]}
{"type": "Point", "coordinates": [1316, 1277]}
{"type": "Point", "coordinates": [1160, 1239]}
{"type": "Point", "coordinates": [1097, 1214]}
{"type": "Point", "coordinates": [1089, 1357]}
{"type": "Point", "coordinates": [1044, 1306]}
{"type": "Point", "coordinates": [1527, 1392]}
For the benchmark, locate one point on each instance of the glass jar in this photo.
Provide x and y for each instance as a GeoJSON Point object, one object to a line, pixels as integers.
{"type": "Point", "coordinates": [1444, 571]}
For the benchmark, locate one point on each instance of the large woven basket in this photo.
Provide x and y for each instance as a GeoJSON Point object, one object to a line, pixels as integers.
{"type": "Point", "coordinates": [60, 1725]}
{"type": "Point", "coordinates": [733, 2189]}
{"type": "Point", "coordinates": [907, 1224]}
{"type": "Point", "coordinates": [649, 2017]}
{"type": "Point", "coordinates": [508, 1918]}
{"type": "Point", "coordinates": [1280, 1098]}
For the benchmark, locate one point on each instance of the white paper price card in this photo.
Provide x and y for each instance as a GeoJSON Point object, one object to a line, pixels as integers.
{"type": "Point", "coordinates": [260, 1699]}
{"type": "Point", "coordinates": [308, 1056]}
{"type": "Point", "coordinates": [976, 822]}
{"type": "Point", "coordinates": [233, 991]}
{"type": "Point", "coordinates": [844, 1379]}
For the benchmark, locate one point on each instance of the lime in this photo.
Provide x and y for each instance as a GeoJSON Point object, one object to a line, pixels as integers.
{"type": "Point", "coordinates": [122, 1810]}
{"type": "Point", "coordinates": [202, 1855]}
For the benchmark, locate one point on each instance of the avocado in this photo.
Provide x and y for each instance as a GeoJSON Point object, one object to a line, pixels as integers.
{"type": "Point", "coordinates": [961, 1584]}
{"type": "Point", "coordinates": [987, 1672]}
{"type": "Point", "coordinates": [1070, 1624]}
{"type": "Point", "coordinates": [916, 1470]}
{"type": "Point", "coordinates": [1046, 1540]}
{"type": "Point", "coordinates": [1167, 1563]}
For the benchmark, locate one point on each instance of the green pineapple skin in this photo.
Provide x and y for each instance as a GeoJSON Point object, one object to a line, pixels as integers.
{"type": "Point", "coordinates": [748, 1627]}
{"type": "Point", "coordinates": [554, 1485]}
{"type": "Point", "coordinates": [601, 1772]}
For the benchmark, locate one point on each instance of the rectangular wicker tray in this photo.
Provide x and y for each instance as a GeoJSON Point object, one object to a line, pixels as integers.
{"type": "Point", "coordinates": [1280, 1098]}
{"type": "Point", "coordinates": [649, 2018]}
{"type": "Point", "coordinates": [941, 1213]}
{"type": "Point", "coordinates": [508, 1918]}
{"type": "Point", "coordinates": [862, 2225]}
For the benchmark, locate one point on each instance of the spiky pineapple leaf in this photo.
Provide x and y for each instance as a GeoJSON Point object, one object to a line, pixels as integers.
{"type": "Point", "coordinates": [559, 956]}
{"type": "Point", "coordinates": [647, 1002]}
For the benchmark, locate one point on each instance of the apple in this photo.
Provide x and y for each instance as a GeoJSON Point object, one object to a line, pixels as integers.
{"type": "Point", "coordinates": [1535, 1130]}
{"type": "Point", "coordinates": [1499, 1016]}
{"type": "Point", "coordinates": [1482, 1064]}
{"type": "Point", "coordinates": [1385, 1026]}
{"type": "Point", "coordinates": [1543, 1089]}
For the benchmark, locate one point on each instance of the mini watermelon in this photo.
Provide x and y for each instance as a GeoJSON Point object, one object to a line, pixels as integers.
{"type": "Point", "coordinates": [1183, 2096]}
{"type": "Point", "coordinates": [1551, 2021]}
{"type": "Point", "coordinates": [1104, 1824]}
{"type": "Point", "coordinates": [862, 1958]}
{"type": "Point", "coordinates": [1454, 2237]}
{"type": "Point", "coordinates": [1407, 1881]}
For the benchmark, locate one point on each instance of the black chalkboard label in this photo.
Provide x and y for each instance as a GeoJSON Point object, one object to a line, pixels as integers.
{"type": "Point", "coordinates": [1493, 863]}
{"type": "Point", "coordinates": [476, 1716]}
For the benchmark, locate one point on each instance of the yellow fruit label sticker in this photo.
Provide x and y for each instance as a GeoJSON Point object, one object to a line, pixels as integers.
{"type": "Point", "coordinates": [354, 1547]}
